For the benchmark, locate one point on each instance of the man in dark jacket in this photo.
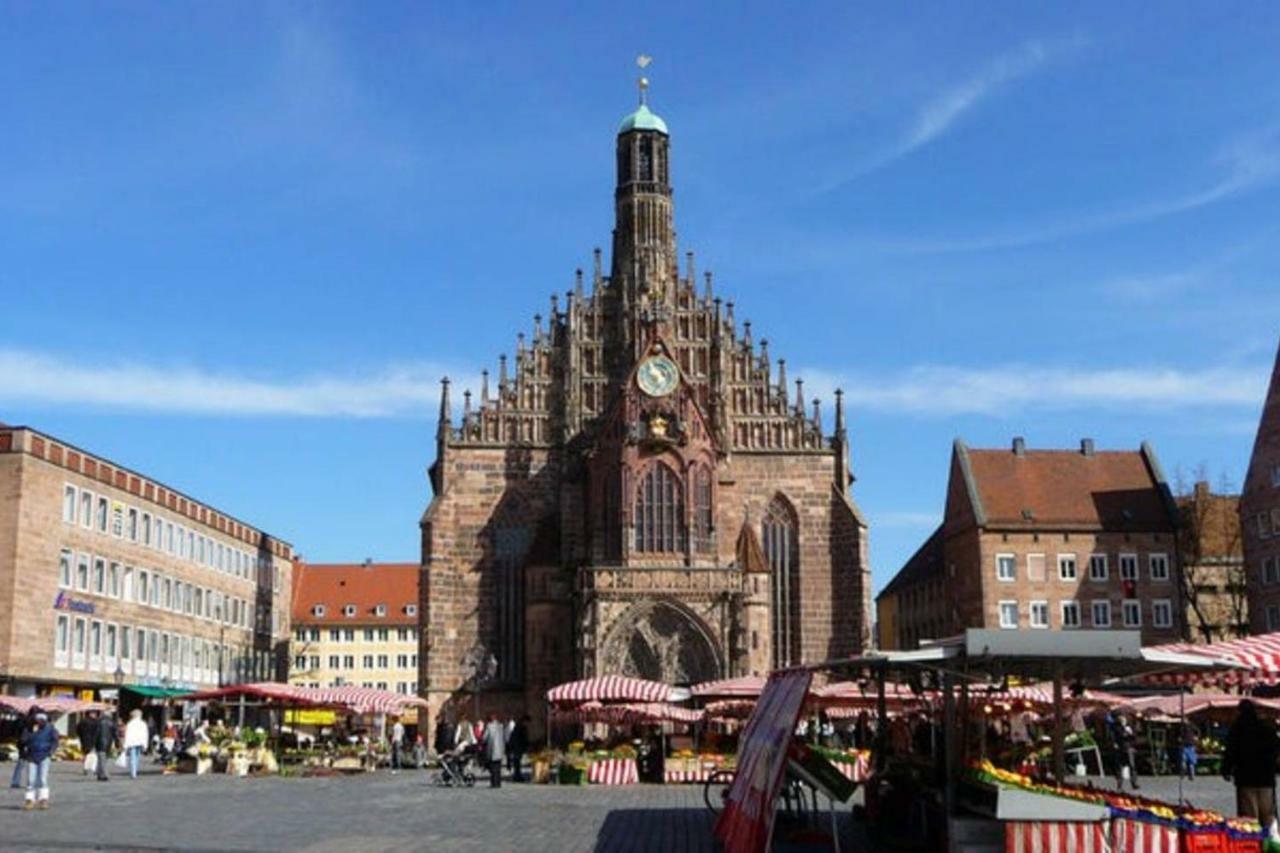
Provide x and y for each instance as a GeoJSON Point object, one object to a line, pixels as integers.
{"type": "Point", "coordinates": [105, 740]}
{"type": "Point", "coordinates": [87, 734]}
{"type": "Point", "coordinates": [517, 746]}
{"type": "Point", "coordinates": [1249, 759]}
{"type": "Point", "coordinates": [38, 743]}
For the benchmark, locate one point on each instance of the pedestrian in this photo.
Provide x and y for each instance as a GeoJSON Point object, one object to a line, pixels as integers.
{"type": "Point", "coordinates": [1188, 757]}
{"type": "Point", "coordinates": [465, 734]}
{"type": "Point", "coordinates": [105, 740]}
{"type": "Point", "coordinates": [1249, 760]}
{"type": "Point", "coordinates": [19, 779]}
{"type": "Point", "coordinates": [419, 752]}
{"type": "Point", "coordinates": [87, 734]}
{"type": "Point", "coordinates": [517, 746]}
{"type": "Point", "coordinates": [397, 746]}
{"type": "Point", "coordinates": [136, 734]}
{"type": "Point", "coordinates": [38, 743]}
{"type": "Point", "coordinates": [495, 748]}
{"type": "Point", "coordinates": [1126, 741]}
{"type": "Point", "coordinates": [445, 737]}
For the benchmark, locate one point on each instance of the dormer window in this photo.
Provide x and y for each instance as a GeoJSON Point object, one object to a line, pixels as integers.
{"type": "Point", "coordinates": [380, 610]}
{"type": "Point", "coordinates": [318, 610]}
{"type": "Point", "coordinates": [349, 610]}
{"type": "Point", "coordinates": [411, 610]}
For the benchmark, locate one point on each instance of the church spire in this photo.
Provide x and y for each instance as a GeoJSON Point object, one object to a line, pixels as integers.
{"type": "Point", "coordinates": [645, 262]}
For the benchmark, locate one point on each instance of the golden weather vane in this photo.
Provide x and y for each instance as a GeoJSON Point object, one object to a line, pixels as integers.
{"type": "Point", "coordinates": [642, 62]}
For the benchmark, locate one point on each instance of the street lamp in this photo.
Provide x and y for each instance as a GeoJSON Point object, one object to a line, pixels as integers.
{"type": "Point", "coordinates": [483, 666]}
{"type": "Point", "coordinates": [118, 675]}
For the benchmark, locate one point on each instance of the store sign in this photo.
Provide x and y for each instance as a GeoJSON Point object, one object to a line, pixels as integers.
{"type": "Point", "coordinates": [746, 824]}
{"type": "Point", "coordinates": [63, 601]}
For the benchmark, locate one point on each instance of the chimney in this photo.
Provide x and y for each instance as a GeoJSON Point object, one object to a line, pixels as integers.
{"type": "Point", "coordinates": [1202, 490]}
{"type": "Point", "coordinates": [1086, 447]}
{"type": "Point", "coordinates": [1019, 446]}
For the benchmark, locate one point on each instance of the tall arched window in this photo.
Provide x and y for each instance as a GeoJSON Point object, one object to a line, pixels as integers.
{"type": "Point", "coordinates": [659, 511]}
{"type": "Point", "coordinates": [703, 517]}
{"type": "Point", "coordinates": [612, 521]}
{"type": "Point", "coordinates": [510, 540]}
{"type": "Point", "coordinates": [782, 549]}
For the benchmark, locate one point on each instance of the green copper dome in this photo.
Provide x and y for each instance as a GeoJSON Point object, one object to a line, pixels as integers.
{"type": "Point", "coordinates": [643, 119]}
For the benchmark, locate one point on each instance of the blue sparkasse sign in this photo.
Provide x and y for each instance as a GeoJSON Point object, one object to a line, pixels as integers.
{"type": "Point", "coordinates": [63, 601]}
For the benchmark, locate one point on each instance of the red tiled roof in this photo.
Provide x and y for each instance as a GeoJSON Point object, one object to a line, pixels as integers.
{"type": "Point", "coordinates": [337, 585]}
{"type": "Point", "coordinates": [1108, 489]}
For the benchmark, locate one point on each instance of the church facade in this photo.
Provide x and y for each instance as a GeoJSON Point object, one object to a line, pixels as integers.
{"type": "Point", "coordinates": [639, 491]}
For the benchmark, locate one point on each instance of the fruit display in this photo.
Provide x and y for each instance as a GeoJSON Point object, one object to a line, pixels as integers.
{"type": "Point", "coordinates": [1120, 804]}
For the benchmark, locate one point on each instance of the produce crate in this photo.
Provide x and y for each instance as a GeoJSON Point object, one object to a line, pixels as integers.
{"type": "Point", "coordinates": [570, 775]}
{"type": "Point", "coordinates": [1204, 841]}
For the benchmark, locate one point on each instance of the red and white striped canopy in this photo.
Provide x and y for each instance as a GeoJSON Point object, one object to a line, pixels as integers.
{"type": "Point", "coordinates": [367, 700]}
{"type": "Point", "coordinates": [1258, 656]}
{"type": "Point", "coordinates": [614, 688]}
{"type": "Point", "coordinates": [357, 700]}
{"type": "Point", "coordinates": [731, 688]}
{"type": "Point", "coordinates": [51, 705]}
{"type": "Point", "coordinates": [629, 713]}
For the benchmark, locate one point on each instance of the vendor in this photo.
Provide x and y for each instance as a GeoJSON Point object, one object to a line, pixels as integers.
{"type": "Point", "coordinates": [1249, 760]}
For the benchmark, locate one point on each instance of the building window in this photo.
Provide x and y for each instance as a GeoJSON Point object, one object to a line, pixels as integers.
{"type": "Point", "coordinates": [1131, 613]}
{"type": "Point", "coordinates": [1070, 614]}
{"type": "Point", "coordinates": [1101, 612]}
{"type": "Point", "coordinates": [1275, 521]}
{"type": "Point", "coordinates": [703, 513]}
{"type": "Point", "coordinates": [86, 509]}
{"type": "Point", "coordinates": [368, 635]}
{"type": "Point", "coordinates": [1162, 613]}
{"type": "Point", "coordinates": [132, 528]}
{"type": "Point", "coordinates": [1270, 570]}
{"type": "Point", "coordinates": [82, 572]}
{"type": "Point", "coordinates": [1159, 565]}
{"type": "Point", "coordinates": [62, 637]}
{"type": "Point", "coordinates": [65, 559]}
{"type": "Point", "coordinates": [113, 580]}
{"type": "Point", "coordinates": [349, 661]}
{"type": "Point", "coordinates": [315, 661]}
{"type": "Point", "coordinates": [1264, 528]}
{"type": "Point", "coordinates": [1128, 567]}
{"type": "Point", "coordinates": [78, 643]}
{"type": "Point", "coordinates": [411, 610]}
{"type": "Point", "coordinates": [348, 610]}
{"type": "Point", "coordinates": [69, 506]}
{"type": "Point", "coordinates": [1008, 614]}
{"type": "Point", "coordinates": [1006, 567]}
{"type": "Point", "coordinates": [402, 661]}
{"type": "Point", "coordinates": [99, 576]}
{"type": "Point", "coordinates": [781, 542]}
{"type": "Point", "coordinates": [382, 661]}
{"type": "Point", "coordinates": [349, 635]}
{"type": "Point", "coordinates": [1098, 567]}
{"type": "Point", "coordinates": [95, 645]}
{"type": "Point", "coordinates": [300, 662]}
{"type": "Point", "coordinates": [1035, 568]}
{"type": "Point", "coordinates": [368, 661]}
{"type": "Point", "coordinates": [143, 578]}
{"type": "Point", "coordinates": [101, 516]}
{"type": "Point", "coordinates": [146, 529]}
{"type": "Point", "coordinates": [659, 511]}
{"type": "Point", "coordinates": [1039, 612]}
{"type": "Point", "coordinates": [117, 520]}
{"type": "Point", "coordinates": [317, 610]}
{"type": "Point", "coordinates": [335, 662]}
{"type": "Point", "coordinates": [380, 610]}
{"type": "Point", "coordinates": [510, 542]}
{"type": "Point", "coordinates": [1067, 567]}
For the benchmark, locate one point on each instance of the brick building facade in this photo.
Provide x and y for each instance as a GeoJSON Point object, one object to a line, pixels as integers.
{"type": "Point", "coordinates": [1043, 539]}
{"type": "Point", "coordinates": [109, 578]}
{"type": "Point", "coordinates": [1260, 515]}
{"type": "Point", "coordinates": [355, 623]}
{"type": "Point", "coordinates": [642, 490]}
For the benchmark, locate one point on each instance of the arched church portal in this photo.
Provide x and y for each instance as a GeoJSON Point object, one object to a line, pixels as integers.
{"type": "Point", "coordinates": [661, 641]}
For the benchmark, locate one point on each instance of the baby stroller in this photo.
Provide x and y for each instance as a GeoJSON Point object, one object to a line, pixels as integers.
{"type": "Point", "coordinates": [457, 768]}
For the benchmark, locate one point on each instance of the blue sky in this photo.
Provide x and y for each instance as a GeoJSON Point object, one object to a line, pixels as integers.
{"type": "Point", "coordinates": [240, 243]}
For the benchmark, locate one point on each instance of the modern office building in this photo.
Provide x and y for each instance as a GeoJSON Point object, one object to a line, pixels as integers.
{"type": "Point", "coordinates": [109, 578]}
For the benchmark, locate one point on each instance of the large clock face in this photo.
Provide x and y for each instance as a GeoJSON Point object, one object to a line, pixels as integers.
{"type": "Point", "coordinates": [657, 376]}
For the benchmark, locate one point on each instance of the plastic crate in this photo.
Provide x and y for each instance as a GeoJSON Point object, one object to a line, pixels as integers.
{"type": "Point", "coordinates": [1204, 841]}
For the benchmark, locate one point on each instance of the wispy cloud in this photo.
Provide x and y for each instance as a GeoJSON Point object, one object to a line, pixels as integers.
{"type": "Point", "coordinates": [1246, 163]}
{"type": "Point", "coordinates": [938, 115]}
{"type": "Point", "coordinates": [932, 390]}
{"type": "Point", "coordinates": [408, 390]}
{"type": "Point", "coordinates": [412, 389]}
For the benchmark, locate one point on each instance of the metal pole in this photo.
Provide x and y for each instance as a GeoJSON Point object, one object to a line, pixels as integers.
{"type": "Point", "coordinates": [1059, 757]}
{"type": "Point", "coordinates": [948, 746]}
{"type": "Point", "coordinates": [1182, 730]}
{"type": "Point", "coordinates": [882, 722]}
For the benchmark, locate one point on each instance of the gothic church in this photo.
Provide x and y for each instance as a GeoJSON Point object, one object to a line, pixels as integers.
{"type": "Point", "coordinates": [640, 491]}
